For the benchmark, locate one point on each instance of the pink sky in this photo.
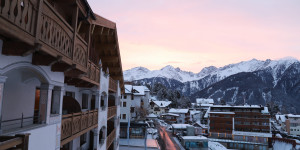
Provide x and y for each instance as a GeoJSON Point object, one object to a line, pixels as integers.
{"type": "Point", "coordinates": [192, 34]}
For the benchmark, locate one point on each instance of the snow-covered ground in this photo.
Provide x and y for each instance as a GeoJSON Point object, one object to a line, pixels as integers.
{"type": "Point", "coordinates": [282, 146]}
{"type": "Point", "coordinates": [216, 146]}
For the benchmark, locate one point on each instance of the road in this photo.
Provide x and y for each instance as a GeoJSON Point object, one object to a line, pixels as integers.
{"type": "Point", "coordinates": [167, 141]}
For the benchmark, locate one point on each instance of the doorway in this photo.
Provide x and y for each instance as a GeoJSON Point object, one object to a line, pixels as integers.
{"type": "Point", "coordinates": [93, 102]}
{"type": "Point", "coordinates": [91, 140]}
{"type": "Point", "coordinates": [36, 105]}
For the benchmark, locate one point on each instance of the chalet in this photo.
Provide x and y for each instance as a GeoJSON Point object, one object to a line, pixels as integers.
{"type": "Point", "coordinates": [159, 107]}
{"type": "Point", "coordinates": [134, 101]}
{"type": "Point", "coordinates": [289, 123]}
{"type": "Point", "coordinates": [184, 115]}
{"type": "Point", "coordinates": [60, 76]}
{"type": "Point", "coordinates": [170, 118]}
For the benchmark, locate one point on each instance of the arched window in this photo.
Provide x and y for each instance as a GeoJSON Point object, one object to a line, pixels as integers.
{"type": "Point", "coordinates": [102, 134]}
{"type": "Point", "coordinates": [103, 102]}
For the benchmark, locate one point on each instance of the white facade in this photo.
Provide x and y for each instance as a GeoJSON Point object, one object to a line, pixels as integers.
{"type": "Point", "coordinates": [184, 115]}
{"type": "Point", "coordinates": [159, 107]}
{"type": "Point", "coordinates": [135, 97]}
{"type": "Point", "coordinates": [19, 82]}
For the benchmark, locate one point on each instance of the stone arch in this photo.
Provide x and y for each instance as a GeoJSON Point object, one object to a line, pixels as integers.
{"type": "Point", "coordinates": [22, 93]}
{"type": "Point", "coordinates": [34, 70]}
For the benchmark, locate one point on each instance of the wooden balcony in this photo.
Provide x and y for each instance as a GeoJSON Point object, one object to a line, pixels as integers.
{"type": "Point", "coordinates": [110, 138]}
{"type": "Point", "coordinates": [19, 141]}
{"type": "Point", "coordinates": [111, 112]}
{"type": "Point", "coordinates": [113, 85]}
{"type": "Point", "coordinates": [76, 124]}
{"type": "Point", "coordinates": [36, 27]}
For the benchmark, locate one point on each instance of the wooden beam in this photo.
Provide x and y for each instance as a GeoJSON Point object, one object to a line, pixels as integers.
{"type": "Point", "coordinates": [59, 67]}
{"type": "Point", "coordinates": [110, 59]}
{"type": "Point", "coordinates": [37, 47]}
{"type": "Point", "coordinates": [15, 48]}
{"type": "Point", "coordinates": [73, 66]}
{"type": "Point", "coordinates": [74, 73]}
{"type": "Point", "coordinates": [58, 59]}
{"type": "Point", "coordinates": [114, 69]}
{"type": "Point", "coordinates": [39, 58]}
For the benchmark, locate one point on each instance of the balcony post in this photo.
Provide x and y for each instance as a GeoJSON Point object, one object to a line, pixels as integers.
{"type": "Point", "coordinates": [45, 102]}
{"type": "Point", "coordinates": [2, 81]}
{"type": "Point", "coordinates": [38, 20]}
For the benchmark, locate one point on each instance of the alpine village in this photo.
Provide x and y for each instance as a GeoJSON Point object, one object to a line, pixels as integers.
{"type": "Point", "coordinates": [62, 87]}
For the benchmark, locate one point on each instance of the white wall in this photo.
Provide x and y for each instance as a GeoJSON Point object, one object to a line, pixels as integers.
{"type": "Point", "coordinates": [43, 138]}
{"type": "Point", "coordinates": [125, 110]}
{"type": "Point", "coordinates": [102, 120]}
{"type": "Point", "coordinates": [20, 100]}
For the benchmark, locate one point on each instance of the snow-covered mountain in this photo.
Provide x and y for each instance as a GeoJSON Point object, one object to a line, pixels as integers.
{"type": "Point", "coordinates": [255, 81]}
{"type": "Point", "coordinates": [278, 67]}
{"type": "Point", "coordinates": [169, 72]}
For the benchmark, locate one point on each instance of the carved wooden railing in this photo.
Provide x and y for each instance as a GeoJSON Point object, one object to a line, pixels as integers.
{"type": "Point", "coordinates": [74, 123]}
{"type": "Point", "coordinates": [21, 13]}
{"type": "Point", "coordinates": [110, 138]}
{"type": "Point", "coordinates": [43, 24]}
{"type": "Point", "coordinates": [113, 85]}
{"type": "Point", "coordinates": [111, 112]}
{"type": "Point", "coordinates": [55, 32]}
{"type": "Point", "coordinates": [19, 141]}
{"type": "Point", "coordinates": [80, 51]}
{"type": "Point", "coordinates": [93, 72]}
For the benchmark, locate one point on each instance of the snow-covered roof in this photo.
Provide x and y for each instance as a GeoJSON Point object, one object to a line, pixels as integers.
{"type": "Point", "coordinates": [193, 112]}
{"type": "Point", "coordinates": [162, 104]}
{"type": "Point", "coordinates": [204, 101]}
{"type": "Point", "coordinates": [205, 105]}
{"type": "Point", "coordinates": [181, 126]}
{"type": "Point", "coordinates": [178, 111]}
{"type": "Point", "coordinates": [265, 111]}
{"type": "Point", "coordinates": [146, 89]}
{"type": "Point", "coordinates": [216, 146]}
{"type": "Point", "coordinates": [207, 112]}
{"type": "Point", "coordinates": [293, 116]}
{"type": "Point", "coordinates": [280, 117]}
{"type": "Point", "coordinates": [258, 134]}
{"type": "Point", "coordinates": [169, 114]}
{"type": "Point", "coordinates": [128, 88]}
{"type": "Point", "coordinates": [194, 137]}
{"type": "Point", "coordinates": [201, 125]}
{"type": "Point", "coordinates": [137, 90]}
{"type": "Point", "coordinates": [242, 106]}
{"type": "Point", "coordinates": [221, 112]}
{"type": "Point", "coordinates": [151, 116]}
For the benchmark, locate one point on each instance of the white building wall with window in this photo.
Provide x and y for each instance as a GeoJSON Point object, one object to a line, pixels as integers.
{"type": "Point", "coordinates": [19, 80]}
{"type": "Point", "coordinates": [19, 72]}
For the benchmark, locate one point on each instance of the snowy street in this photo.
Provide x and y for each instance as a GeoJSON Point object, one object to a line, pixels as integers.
{"type": "Point", "coordinates": [167, 142]}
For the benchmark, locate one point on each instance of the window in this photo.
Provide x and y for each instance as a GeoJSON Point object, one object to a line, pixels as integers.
{"type": "Point", "coordinates": [55, 100]}
{"type": "Point", "coordinates": [131, 109]}
{"type": "Point", "coordinates": [124, 116]}
{"type": "Point", "coordinates": [83, 139]}
{"type": "Point", "coordinates": [85, 101]}
{"type": "Point", "coordinates": [124, 104]}
{"type": "Point", "coordinates": [125, 97]}
{"type": "Point", "coordinates": [132, 97]}
{"type": "Point", "coordinates": [72, 94]}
